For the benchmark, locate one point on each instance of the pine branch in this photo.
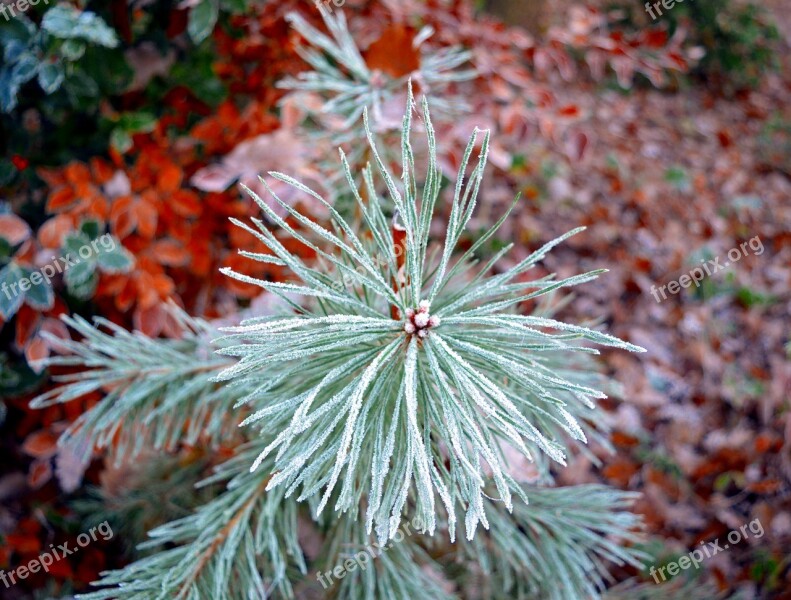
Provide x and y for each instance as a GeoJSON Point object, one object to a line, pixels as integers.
{"type": "Point", "coordinates": [399, 569]}
{"type": "Point", "coordinates": [380, 406]}
{"type": "Point", "coordinates": [243, 544]}
{"type": "Point", "coordinates": [159, 393]}
{"type": "Point", "coordinates": [679, 588]}
{"type": "Point", "coordinates": [345, 83]}
{"type": "Point", "coordinates": [555, 548]}
{"type": "Point", "coordinates": [146, 491]}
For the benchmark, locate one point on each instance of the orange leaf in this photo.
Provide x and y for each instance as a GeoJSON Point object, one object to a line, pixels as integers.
{"type": "Point", "coordinates": [393, 53]}
{"type": "Point", "coordinates": [54, 230]}
{"type": "Point", "coordinates": [97, 207]}
{"type": "Point", "coordinates": [171, 253]}
{"type": "Point", "coordinates": [52, 177]}
{"type": "Point", "coordinates": [13, 229]}
{"type": "Point", "coordinates": [126, 297]}
{"type": "Point", "coordinates": [122, 219]}
{"type": "Point", "coordinates": [111, 285]}
{"type": "Point", "coordinates": [164, 285]}
{"type": "Point", "coordinates": [121, 205]}
{"type": "Point", "coordinates": [34, 351]}
{"type": "Point", "coordinates": [76, 173]}
{"type": "Point", "coordinates": [768, 486]}
{"type": "Point", "coordinates": [102, 170]}
{"type": "Point", "coordinates": [60, 199]}
{"type": "Point", "coordinates": [146, 294]}
{"type": "Point", "coordinates": [147, 217]}
{"type": "Point", "coordinates": [40, 473]}
{"type": "Point", "coordinates": [41, 444]}
{"type": "Point", "coordinates": [620, 471]}
{"type": "Point", "coordinates": [55, 327]}
{"type": "Point", "coordinates": [186, 203]}
{"type": "Point", "coordinates": [169, 178]}
{"type": "Point", "coordinates": [201, 258]}
{"type": "Point", "coordinates": [228, 115]}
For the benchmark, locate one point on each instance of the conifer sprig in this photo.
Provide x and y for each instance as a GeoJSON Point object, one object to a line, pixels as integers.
{"type": "Point", "coordinates": [592, 519]}
{"type": "Point", "coordinates": [242, 544]}
{"type": "Point", "coordinates": [158, 393]}
{"type": "Point", "coordinates": [347, 85]}
{"type": "Point", "coordinates": [403, 384]}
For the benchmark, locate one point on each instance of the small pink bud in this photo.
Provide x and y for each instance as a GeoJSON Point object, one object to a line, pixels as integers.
{"type": "Point", "coordinates": [421, 333]}
{"type": "Point", "coordinates": [410, 313]}
{"type": "Point", "coordinates": [424, 306]}
{"type": "Point", "coordinates": [434, 321]}
{"type": "Point", "coordinates": [421, 319]}
{"type": "Point", "coordinates": [409, 327]}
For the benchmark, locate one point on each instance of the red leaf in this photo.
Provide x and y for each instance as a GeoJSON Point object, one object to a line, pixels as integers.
{"type": "Point", "coordinates": [656, 38]}
{"type": "Point", "coordinates": [20, 162]}
{"type": "Point", "coordinates": [23, 542]}
{"type": "Point", "coordinates": [27, 323]}
{"type": "Point", "coordinates": [570, 110]}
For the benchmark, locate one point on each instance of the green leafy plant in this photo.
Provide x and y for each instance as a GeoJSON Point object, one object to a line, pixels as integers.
{"type": "Point", "coordinates": [81, 278]}
{"type": "Point", "coordinates": [49, 52]}
{"type": "Point", "coordinates": [774, 145]}
{"type": "Point", "coordinates": [738, 38]}
{"type": "Point", "coordinates": [388, 386]}
{"type": "Point", "coordinates": [39, 297]}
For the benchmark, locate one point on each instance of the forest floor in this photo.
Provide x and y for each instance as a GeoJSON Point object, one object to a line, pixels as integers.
{"type": "Point", "coordinates": [704, 429]}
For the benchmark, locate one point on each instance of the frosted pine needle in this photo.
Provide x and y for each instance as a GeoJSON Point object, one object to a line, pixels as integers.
{"type": "Point", "coordinates": [401, 376]}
